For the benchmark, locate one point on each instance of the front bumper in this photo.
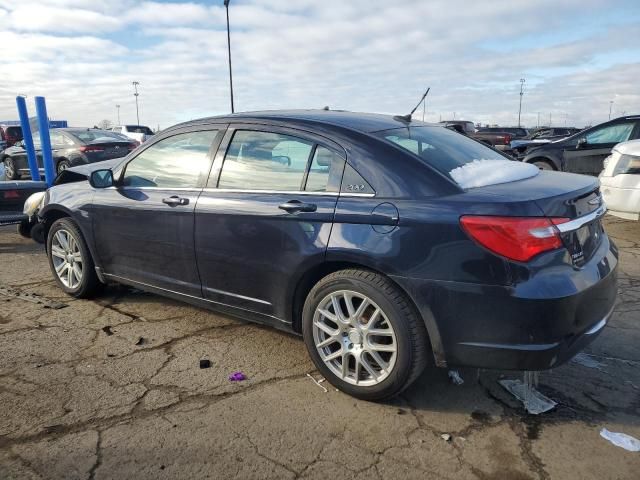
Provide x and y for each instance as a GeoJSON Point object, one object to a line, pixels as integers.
{"type": "Point", "coordinates": [622, 202]}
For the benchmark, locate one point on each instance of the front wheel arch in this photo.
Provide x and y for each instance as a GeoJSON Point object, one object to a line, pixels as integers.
{"type": "Point", "coordinates": [543, 160]}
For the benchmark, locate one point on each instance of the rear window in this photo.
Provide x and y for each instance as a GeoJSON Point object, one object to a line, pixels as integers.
{"type": "Point", "coordinates": [440, 147]}
{"type": "Point", "coordinates": [97, 136]}
{"type": "Point", "coordinates": [139, 129]}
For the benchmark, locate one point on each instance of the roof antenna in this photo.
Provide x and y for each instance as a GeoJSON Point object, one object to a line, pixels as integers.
{"type": "Point", "coordinates": [407, 118]}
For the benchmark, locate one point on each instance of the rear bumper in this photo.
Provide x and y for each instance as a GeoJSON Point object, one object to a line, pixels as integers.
{"type": "Point", "coordinates": [536, 324]}
{"type": "Point", "coordinates": [531, 356]}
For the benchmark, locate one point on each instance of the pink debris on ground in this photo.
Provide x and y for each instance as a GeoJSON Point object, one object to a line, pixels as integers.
{"type": "Point", "coordinates": [237, 377]}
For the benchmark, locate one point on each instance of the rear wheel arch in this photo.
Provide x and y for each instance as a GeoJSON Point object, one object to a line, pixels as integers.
{"type": "Point", "coordinates": [312, 276]}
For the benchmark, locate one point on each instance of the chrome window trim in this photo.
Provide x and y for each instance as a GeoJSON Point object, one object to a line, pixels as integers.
{"type": "Point", "coordinates": [172, 189]}
{"type": "Point", "coordinates": [581, 221]}
{"type": "Point", "coordinates": [287, 192]}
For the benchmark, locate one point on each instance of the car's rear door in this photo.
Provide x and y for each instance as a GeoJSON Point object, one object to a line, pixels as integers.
{"type": "Point", "coordinates": [265, 215]}
{"type": "Point", "coordinates": [588, 157]}
{"type": "Point", "coordinates": [143, 227]}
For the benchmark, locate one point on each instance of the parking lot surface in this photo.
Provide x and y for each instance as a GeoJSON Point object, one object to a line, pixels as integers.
{"type": "Point", "coordinates": [112, 388]}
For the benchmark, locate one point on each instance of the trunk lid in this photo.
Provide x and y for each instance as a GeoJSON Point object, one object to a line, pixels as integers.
{"type": "Point", "coordinates": [98, 151]}
{"type": "Point", "coordinates": [561, 195]}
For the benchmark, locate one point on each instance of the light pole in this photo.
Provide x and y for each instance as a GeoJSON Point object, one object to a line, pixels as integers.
{"type": "Point", "coordinates": [538, 126]}
{"type": "Point", "coordinates": [610, 107]}
{"type": "Point", "coordinates": [522, 80]}
{"type": "Point", "coordinates": [226, 5]}
{"type": "Point", "coordinates": [135, 88]}
{"type": "Point", "coordinates": [118, 109]}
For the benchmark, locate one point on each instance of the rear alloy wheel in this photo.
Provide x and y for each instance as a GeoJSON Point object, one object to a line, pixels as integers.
{"type": "Point", "coordinates": [10, 172]}
{"type": "Point", "coordinates": [70, 260]}
{"type": "Point", "coordinates": [363, 335]}
{"type": "Point", "coordinates": [62, 166]}
{"type": "Point", "coordinates": [543, 165]}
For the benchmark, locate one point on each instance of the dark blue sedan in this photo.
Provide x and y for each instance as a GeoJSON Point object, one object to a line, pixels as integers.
{"type": "Point", "coordinates": [389, 244]}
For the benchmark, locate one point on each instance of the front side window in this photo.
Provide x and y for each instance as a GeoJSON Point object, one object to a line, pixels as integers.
{"type": "Point", "coordinates": [617, 133]}
{"type": "Point", "coordinates": [265, 161]}
{"type": "Point", "coordinates": [180, 161]}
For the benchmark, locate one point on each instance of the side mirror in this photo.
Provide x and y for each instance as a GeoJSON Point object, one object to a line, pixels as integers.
{"type": "Point", "coordinates": [101, 178]}
{"type": "Point", "coordinates": [581, 142]}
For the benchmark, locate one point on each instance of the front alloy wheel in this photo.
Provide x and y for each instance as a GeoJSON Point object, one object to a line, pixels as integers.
{"type": "Point", "coordinates": [354, 338]}
{"type": "Point", "coordinates": [70, 260]}
{"type": "Point", "coordinates": [67, 258]}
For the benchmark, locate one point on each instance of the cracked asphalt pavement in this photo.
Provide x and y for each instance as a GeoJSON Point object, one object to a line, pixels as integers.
{"type": "Point", "coordinates": [82, 396]}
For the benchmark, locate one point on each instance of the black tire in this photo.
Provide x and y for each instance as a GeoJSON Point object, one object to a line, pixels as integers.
{"type": "Point", "coordinates": [37, 233]}
{"type": "Point", "coordinates": [412, 344]}
{"type": "Point", "coordinates": [24, 229]}
{"type": "Point", "coordinates": [89, 284]}
{"type": "Point", "coordinates": [543, 165]}
{"type": "Point", "coordinates": [62, 165]}
{"type": "Point", "coordinates": [10, 171]}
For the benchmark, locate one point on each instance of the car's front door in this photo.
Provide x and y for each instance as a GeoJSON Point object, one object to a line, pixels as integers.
{"type": "Point", "coordinates": [588, 154]}
{"type": "Point", "coordinates": [266, 215]}
{"type": "Point", "coordinates": [143, 227]}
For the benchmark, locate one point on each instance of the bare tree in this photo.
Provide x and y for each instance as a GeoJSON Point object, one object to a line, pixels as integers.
{"type": "Point", "coordinates": [105, 124]}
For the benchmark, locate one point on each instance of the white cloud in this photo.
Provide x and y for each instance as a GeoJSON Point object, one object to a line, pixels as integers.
{"type": "Point", "coordinates": [368, 55]}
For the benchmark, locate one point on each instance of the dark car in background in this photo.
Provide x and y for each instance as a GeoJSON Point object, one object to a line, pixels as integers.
{"type": "Point", "coordinates": [540, 136]}
{"type": "Point", "coordinates": [384, 242]}
{"type": "Point", "coordinates": [9, 135]}
{"type": "Point", "coordinates": [463, 126]}
{"type": "Point", "coordinates": [498, 140]}
{"type": "Point", "coordinates": [585, 151]}
{"type": "Point", "coordinates": [70, 147]}
{"type": "Point", "coordinates": [515, 132]}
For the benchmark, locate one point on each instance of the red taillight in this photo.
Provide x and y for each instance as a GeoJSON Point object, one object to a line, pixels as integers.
{"type": "Point", "coordinates": [505, 139]}
{"type": "Point", "coordinates": [91, 148]}
{"type": "Point", "coordinates": [11, 194]}
{"type": "Point", "coordinates": [132, 146]}
{"type": "Point", "coordinates": [517, 238]}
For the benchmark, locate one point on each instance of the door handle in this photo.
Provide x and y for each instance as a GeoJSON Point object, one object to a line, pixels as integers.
{"type": "Point", "coordinates": [175, 200]}
{"type": "Point", "coordinates": [293, 206]}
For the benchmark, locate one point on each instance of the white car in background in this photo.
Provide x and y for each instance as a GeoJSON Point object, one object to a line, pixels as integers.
{"type": "Point", "coordinates": [139, 133]}
{"type": "Point", "coordinates": [620, 180]}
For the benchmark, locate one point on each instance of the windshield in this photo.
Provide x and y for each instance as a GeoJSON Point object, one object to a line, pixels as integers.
{"type": "Point", "coordinates": [139, 129]}
{"type": "Point", "coordinates": [441, 148]}
{"type": "Point", "coordinates": [99, 136]}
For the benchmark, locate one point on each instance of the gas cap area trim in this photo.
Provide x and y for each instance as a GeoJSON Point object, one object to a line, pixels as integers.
{"type": "Point", "coordinates": [385, 217]}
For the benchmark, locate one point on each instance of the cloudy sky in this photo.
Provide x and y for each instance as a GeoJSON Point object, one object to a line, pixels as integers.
{"type": "Point", "coordinates": [364, 55]}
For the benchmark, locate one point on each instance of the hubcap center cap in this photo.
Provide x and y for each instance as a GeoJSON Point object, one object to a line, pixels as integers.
{"type": "Point", "coordinates": [355, 337]}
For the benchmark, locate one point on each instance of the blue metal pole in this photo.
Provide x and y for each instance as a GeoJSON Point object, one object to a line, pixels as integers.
{"type": "Point", "coordinates": [27, 139]}
{"type": "Point", "coordinates": [45, 141]}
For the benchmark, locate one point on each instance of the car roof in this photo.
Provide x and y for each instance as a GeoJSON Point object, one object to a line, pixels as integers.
{"type": "Point", "coordinates": [357, 121]}
{"type": "Point", "coordinates": [79, 129]}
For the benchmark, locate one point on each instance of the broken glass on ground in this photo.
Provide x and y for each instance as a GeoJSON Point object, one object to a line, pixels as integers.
{"type": "Point", "coordinates": [534, 402]}
{"type": "Point", "coordinates": [621, 440]}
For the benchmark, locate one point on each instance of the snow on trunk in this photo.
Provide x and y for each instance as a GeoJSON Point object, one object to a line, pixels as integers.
{"type": "Point", "coordinates": [481, 173]}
